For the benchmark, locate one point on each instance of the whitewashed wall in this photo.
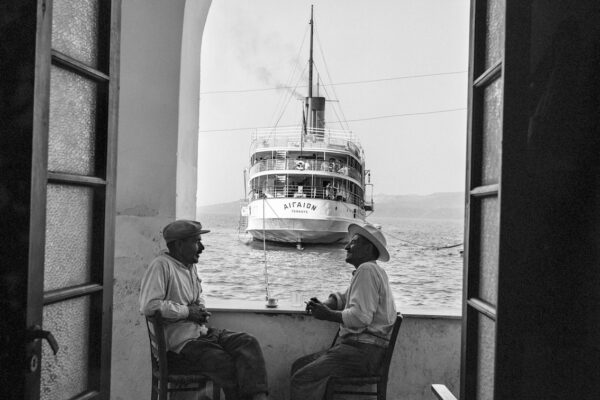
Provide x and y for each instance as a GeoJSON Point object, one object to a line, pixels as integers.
{"type": "Point", "coordinates": [157, 160]}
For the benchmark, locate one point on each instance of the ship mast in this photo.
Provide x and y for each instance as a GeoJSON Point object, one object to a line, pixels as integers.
{"type": "Point", "coordinates": [314, 106]}
{"type": "Point", "coordinates": [310, 59]}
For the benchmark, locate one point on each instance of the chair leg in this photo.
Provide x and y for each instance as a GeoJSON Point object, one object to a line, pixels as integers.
{"type": "Point", "coordinates": [163, 391]}
{"type": "Point", "coordinates": [330, 391]}
{"type": "Point", "coordinates": [381, 391]}
{"type": "Point", "coordinates": [216, 391]}
{"type": "Point", "coordinates": [154, 393]}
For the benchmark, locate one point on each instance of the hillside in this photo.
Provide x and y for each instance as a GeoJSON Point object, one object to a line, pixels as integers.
{"type": "Point", "coordinates": [435, 206]}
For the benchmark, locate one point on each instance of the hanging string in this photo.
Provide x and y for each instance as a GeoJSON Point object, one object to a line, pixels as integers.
{"type": "Point", "coordinates": [265, 251]}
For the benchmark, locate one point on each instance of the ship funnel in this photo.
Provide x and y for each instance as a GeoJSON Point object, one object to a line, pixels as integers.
{"type": "Point", "coordinates": [316, 115]}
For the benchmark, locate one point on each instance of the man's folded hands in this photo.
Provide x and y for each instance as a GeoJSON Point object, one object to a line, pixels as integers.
{"type": "Point", "coordinates": [198, 314]}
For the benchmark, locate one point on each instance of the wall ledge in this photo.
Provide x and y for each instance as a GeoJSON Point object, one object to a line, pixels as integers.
{"type": "Point", "coordinates": [285, 307]}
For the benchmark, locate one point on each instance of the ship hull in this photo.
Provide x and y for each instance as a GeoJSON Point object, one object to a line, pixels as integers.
{"type": "Point", "coordinates": [292, 220]}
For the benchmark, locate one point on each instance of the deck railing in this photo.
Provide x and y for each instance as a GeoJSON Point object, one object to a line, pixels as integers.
{"type": "Point", "coordinates": [308, 192]}
{"type": "Point", "coordinates": [311, 139]}
{"type": "Point", "coordinates": [306, 166]}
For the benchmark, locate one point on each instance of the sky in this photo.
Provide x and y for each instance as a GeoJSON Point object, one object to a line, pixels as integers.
{"type": "Point", "coordinates": [395, 70]}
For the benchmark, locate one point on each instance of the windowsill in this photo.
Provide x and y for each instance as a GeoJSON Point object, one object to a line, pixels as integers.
{"type": "Point", "coordinates": [285, 307]}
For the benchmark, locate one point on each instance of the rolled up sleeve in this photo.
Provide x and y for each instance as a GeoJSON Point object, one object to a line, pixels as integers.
{"type": "Point", "coordinates": [340, 300]}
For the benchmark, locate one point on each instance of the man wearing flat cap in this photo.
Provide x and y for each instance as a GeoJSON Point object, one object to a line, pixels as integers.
{"type": "Point", "coordinates": [366, 313]}
{"type": "Point", "coordinates": [171, 285]}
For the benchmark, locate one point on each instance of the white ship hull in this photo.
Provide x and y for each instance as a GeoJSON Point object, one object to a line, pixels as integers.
{"type": "Point", "coordinates": [301, 220]}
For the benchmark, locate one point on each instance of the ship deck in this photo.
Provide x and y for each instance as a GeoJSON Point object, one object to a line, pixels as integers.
{"type": "Point", "coordinates": [314, 139]}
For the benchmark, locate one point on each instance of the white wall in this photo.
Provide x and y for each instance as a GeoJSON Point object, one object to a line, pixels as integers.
{"type": "Point", "coordinates": [427, 349]}
{"type": "Point", "coordinates": [157, 157]}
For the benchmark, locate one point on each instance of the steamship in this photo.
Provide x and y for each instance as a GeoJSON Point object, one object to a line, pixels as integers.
{"type": "Point", "coordinates": [305, 184]}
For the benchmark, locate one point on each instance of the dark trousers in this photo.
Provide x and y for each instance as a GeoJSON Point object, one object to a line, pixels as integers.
{"type": "Point", "coordinates": [234, 361]}
{"type": "Point", "coordinates": [311, 373]}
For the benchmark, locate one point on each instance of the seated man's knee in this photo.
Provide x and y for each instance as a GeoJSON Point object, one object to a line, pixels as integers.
{"type": "Point", "coordinates": [302, 375]}
{"type": "Point", "coordinates": [249, 339]}
{"type": "Point", "coordinates": [296, 365]}
{"type": "Point", "coordinates": [295, 376]}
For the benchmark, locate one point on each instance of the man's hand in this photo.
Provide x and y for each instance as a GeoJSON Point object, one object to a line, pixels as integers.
{"type": "Point", "coordinates": [309, 305]}
{"type": "Point", "coordinates": [198, 314]}
{"type": "Point", "coordinates": [318, 309]}
{"type": "Point", "coordinates": [322, 311]}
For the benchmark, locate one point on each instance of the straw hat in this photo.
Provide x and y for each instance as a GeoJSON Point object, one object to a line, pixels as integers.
{"type": "Point", "coordinates": [373, 235]}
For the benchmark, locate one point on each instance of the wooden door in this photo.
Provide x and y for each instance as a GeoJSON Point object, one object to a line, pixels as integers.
{"type": "Point", "coordinates": [499, 57]}
{"type": "Point", "coordinates": [59, 72]}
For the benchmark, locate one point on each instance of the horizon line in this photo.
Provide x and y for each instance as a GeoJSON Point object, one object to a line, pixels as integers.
{"type": "Point", "coordinates": [375, 195]}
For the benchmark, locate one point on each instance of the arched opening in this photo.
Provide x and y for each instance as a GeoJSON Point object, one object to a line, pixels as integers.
{"type": "Point", "coordinates": [396, 77]}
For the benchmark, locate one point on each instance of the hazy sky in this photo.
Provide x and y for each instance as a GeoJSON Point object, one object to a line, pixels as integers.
{"type": "Point", "coordinates": [397, 67]}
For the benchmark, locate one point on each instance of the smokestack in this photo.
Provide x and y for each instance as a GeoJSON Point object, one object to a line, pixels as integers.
{"type": "Point", "coordinates": [316, 114]}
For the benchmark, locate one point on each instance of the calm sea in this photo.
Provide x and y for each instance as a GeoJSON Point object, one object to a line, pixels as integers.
{"type": "Point", "coordinates": [421, 273]}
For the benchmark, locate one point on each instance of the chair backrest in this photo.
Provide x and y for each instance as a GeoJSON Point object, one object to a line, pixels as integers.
{"type": "Point", "coordinates": [158, 345]}
{"type": "Point", "coordinates": [385, 364]}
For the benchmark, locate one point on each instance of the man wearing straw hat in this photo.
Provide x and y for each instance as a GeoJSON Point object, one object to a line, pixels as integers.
{"type": "Point", "coordinates": [366, 313]}
{"type": "Point", "coordinates": [171, 285]}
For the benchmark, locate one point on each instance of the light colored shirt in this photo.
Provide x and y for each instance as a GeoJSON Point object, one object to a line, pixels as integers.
{"type": "Point", "coordinates": [169, 286]}
{"type": "Point", "coordinates": [368, 308]}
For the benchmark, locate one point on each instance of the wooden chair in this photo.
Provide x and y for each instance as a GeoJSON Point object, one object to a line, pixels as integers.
{"type": "Point", "coordinates": [163, 381]}
{"type": "Point", "coordinates": [338, 385]}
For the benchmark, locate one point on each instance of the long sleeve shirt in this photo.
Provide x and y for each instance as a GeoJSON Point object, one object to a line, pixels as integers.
{"type": "Point", "coordinates": [368, 308]}
{"type": "Point", "coordinates": [170, 286]}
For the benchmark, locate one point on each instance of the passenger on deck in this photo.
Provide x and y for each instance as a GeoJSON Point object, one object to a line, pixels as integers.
{"type": "Point", "coordinates": [341, 194]}
{"type": "Point", "coordinates": [300, 192]}
{"type": "Point", "coordinates": [234, 360]}
{"type": "Point", "coordinates": [366, 313]}
{"type": "Point", "coordinates": [328, 191]}
{"type": "Point", "coordinates": [332, 166]}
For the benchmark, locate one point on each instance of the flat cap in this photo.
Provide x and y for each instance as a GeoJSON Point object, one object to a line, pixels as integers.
{"type": "Point", "coordinates": [182, 229]}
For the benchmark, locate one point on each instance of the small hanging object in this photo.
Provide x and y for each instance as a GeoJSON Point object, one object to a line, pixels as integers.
{"type": "Point", "coordinates": [272, 302]}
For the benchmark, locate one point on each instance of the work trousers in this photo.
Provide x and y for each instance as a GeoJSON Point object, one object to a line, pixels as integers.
{"type": "Point", "coordinates": [233, 360]}
{"type": "Point", "coordinates": [311, 373]}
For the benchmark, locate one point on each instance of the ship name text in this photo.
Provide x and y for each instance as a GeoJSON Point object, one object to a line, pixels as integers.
{"type": "Point", "coordinates": [299, 204]}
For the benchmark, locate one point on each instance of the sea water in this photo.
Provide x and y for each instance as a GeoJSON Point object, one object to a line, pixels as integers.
{"type": "Point", "coordinates": [424, 271]}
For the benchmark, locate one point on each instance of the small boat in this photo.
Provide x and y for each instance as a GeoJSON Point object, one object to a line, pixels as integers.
{"type": "Point", "coordinates": [305, 184]}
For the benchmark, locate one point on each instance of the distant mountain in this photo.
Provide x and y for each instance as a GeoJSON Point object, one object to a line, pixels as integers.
{"type": "Point", "coordinates": [436, 206]}
{"type": "Point", "coordinates": [448, 205]}
{"type": "Point", "coordinates": [232, 207]}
